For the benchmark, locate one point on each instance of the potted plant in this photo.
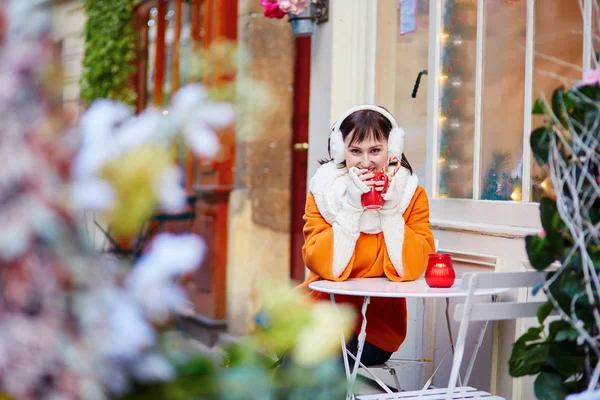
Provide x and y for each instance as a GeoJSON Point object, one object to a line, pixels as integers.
{"type": "Point", "coordinates": [565, 356]}
{"type": "Point", "coordinates": [302, 14]}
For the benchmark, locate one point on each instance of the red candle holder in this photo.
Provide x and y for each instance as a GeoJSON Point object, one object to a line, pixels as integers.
{"type": "Point", "coordinates": [440, 272]}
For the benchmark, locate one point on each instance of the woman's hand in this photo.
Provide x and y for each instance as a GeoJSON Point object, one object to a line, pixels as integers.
{"type": "Point", "coordinates": [379, 186]}
{"type": "Point", "coordinates": [391, 196]}
{"type": "Point", "coordinates": [361, 181]}
{"type": "Point", "coordinates": [367, 178]}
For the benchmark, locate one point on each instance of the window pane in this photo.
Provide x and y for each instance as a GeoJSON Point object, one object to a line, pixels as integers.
{"type": "Point", "coordinates": [503, 101]}
{"type": "Point", "coordinates": [457, 99]}
{"type": "Point", "coordinates": [558, 59]}
{"type": "Point", "coordinates": [411, 57]}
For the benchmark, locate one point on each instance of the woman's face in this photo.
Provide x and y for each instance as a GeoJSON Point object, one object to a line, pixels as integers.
{"type": "Point", "coordinates": [369, 154]}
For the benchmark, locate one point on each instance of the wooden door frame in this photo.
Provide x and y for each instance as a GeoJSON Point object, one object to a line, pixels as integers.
{"type": "Point", "coordinates": [299, 173]}
{"type": "Point", "coordinates": [217, 20]}
{"type": "Point", "coordinates": [220, 22]}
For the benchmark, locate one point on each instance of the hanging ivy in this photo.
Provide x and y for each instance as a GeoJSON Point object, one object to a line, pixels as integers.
{"type": "Point", "coordinates": [109, 51]}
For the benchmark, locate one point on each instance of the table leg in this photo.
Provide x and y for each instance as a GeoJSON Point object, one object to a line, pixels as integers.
{"type": "Point", "coordinates": [344, 351]}
{"type": "Point", "coordinates": [361, 339]}
{"type": "Point", "coordinates": [448, 324]}
{"type": "Point", "coordinates": [351, 376]}
{"type": "Point", "coordinates": [450, 332]}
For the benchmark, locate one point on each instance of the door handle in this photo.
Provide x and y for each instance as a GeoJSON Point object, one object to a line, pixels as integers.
{"type": "Point", "coordinates": [301, 146]}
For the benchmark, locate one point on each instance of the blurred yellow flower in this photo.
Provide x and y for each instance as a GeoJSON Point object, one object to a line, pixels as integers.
{"type": "Point", "coordinates": [311, 332]}
{"type": "Point", "coordinates": [287, 312]}
{"type": "Point", "coordinates": [320, 339]}
{"type": "Point", "coordinates": [133, 178]}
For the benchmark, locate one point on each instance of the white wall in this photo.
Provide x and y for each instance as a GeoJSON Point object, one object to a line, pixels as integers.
{"type": "Point", "coordinates": [342, 69]}
{"type": "Point", "coordinates": [68, 20]}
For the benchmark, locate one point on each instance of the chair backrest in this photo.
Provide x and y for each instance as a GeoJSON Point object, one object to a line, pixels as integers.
{"type": "Point", "coordinates": [499, 311]}
{"type": "Point", "coordinates": [490, 280]}
{"type": "Point", "coordinates": [470, 311]}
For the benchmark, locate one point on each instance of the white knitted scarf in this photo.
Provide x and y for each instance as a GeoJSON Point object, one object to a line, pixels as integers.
{"type": "Point", "coordinates": [328, 187]}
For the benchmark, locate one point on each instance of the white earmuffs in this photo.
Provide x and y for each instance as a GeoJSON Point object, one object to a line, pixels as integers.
{"type": "Point", "coordinates": [336, 141]}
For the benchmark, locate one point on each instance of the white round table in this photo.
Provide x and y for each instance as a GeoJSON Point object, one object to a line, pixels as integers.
{"type": "Point", "coordinates": [383, 287]}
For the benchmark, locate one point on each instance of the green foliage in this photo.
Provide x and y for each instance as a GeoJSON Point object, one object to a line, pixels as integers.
{"type": "Point", "coordinates": [109, 51]}
{"type": "Point", "coordinates": [242, 372]}
{"type": "Point", "coordinates": [498, 184]}
{"type": "Point", "coordinates": [563, 361]}
{"type": "Point", "coordinates": [248, 370]}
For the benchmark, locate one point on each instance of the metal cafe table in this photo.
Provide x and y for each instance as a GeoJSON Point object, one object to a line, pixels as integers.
{"type": "Point", "coordinates": [383, 287]}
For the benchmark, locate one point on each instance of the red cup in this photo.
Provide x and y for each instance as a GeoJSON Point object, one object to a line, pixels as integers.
{"type": "Point", "coordinates": [373, 199]}
{"type": "Point", "coordinates": [440, 272]}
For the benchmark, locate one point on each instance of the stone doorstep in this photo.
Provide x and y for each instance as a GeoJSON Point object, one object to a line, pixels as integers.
{"type": "Point", "coordinates": [203, 329]}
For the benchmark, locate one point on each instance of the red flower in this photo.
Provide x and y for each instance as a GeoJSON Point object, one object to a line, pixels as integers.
{"type": "Point", "coordinates": [271, 9]}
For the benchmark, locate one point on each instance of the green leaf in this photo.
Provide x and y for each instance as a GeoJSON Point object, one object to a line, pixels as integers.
{"type": "Point", "coordinates": [549, 215]}
{"type": "Point", "coordinates": [550, 386]}
{"type": "Point", "coordinates": [525, 358]}
{"type": "Point", "coordinates": [572, 284]}
{"type": "Point", "coordinates": [539, 107]}
{"type": "Point", "coordinates": [540, 145]}
{"type": "Point", "coordinates": [557, 326]}
{"type": "Point", "coordinates": [567, 358]}
{"type": "Point", "coordinates": [553, 225]}
{"type": "Point", "coordinates": [569, 334]}
{"type": "Point", "coordinates": [543, 312]}
{"type": "Point", "coordinates": [558, 107]}
{"type": "Point", "coordinates": [540, 252]}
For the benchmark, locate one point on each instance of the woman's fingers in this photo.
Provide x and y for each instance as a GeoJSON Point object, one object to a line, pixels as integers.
{"type": "Point", "coordinates": [366, 177]}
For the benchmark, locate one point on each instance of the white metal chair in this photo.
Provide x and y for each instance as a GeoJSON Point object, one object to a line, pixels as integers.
{"type": "Point", "coordinates": [470, 311]}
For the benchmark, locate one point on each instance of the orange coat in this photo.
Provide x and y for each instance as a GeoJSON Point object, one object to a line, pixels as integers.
{"type": "Point", "coordinates": [386, 327]}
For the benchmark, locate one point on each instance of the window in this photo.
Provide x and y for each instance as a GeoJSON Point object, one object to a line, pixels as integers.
{"type": "Point", "coordinates": [411, 49]}
{"type": "Point", "coordinates": [493, 58]}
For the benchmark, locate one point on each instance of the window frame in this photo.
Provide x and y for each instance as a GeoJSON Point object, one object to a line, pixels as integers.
{"type": "Point", "coordinates": [476, 213]}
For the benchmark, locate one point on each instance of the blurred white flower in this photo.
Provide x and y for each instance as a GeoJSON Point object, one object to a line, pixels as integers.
{"type": "Point", "coordinates": [188, 99]}
{"type": "Point", "coordinates": [153, 367]}
{"type": "Point", "coordinates": [148, 127]}
{"type": "Point", "coordinates": [110, 129]}
{"type": "Point", "coordinates": [170, 193]}
{"type": "Point", "coordinates": [100, 121]}
{"type": "Point", "coordinates": [198, 117]}
{"type": "Point", "coordinates": [129, 334]}
{"type": "Point", "coordinates": [92, 194]}
{"type": "Point", "coordinates": [152, 283]}
{"type": "Point", "coordinates": [215, 114]}
{"type": "Point", "coordinates": [201, 139]}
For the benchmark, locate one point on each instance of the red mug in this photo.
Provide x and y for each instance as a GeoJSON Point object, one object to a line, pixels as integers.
{"type": "Point", "coordinates": [373, 199]}
{"type": "Point", "coordinates": [440, 272]}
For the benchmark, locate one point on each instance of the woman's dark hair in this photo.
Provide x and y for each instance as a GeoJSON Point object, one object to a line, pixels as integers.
{"type": "Point", "coordinates": [366, 124]}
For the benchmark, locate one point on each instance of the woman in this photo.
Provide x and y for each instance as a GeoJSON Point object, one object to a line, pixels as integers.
{"type": "Point", "coordinates": [342, 240]}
